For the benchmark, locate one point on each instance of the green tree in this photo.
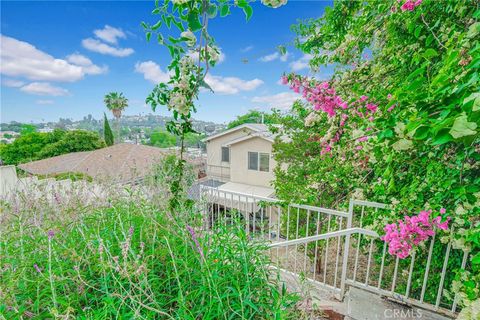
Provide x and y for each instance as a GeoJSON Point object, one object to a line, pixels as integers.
{"type": "Point", "coordinates": [252, 116]}
{"type": "Point", "coordinates": [36, 145]}
{"type": "Point", "coordinates": [194, 140]}
{"type": "Point", "coordinates": [162, 139]}
{"type": "Point", "coordinates": [73, 141]}
{"type": "Point", "coordinates": [116, 103]}
{"type": "Point", "coordinates": [107, 131]}
{"type": "Point", "coordinates": [27, 128]}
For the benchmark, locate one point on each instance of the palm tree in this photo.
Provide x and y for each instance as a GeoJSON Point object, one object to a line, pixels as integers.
{"type": "Point", "coordinates": [116, 103]}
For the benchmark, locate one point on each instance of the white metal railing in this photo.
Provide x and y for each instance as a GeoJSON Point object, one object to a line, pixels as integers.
{"type": "Point", "coordinates": [335, 249]}
{"type": "Point", "coordinates": [221, 173]}
{"type": "Point", "coordinates": [415, 280]}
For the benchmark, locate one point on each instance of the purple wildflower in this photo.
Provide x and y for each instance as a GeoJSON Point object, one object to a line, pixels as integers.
{"type": "Point", "coordinates": [37, 268]}
{"type": "Point", "coordinates": [130, 231]}
{"type": "Point", "coordinates": [194, 237]}
{"type": "Point", "coordinates": [51, 234]}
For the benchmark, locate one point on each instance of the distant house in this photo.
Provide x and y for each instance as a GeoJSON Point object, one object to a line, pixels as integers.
{"type": "Point", "coordinates": [122, 163]}
{"type": "Point", "coordinates": [8, 136]}
{"type": "Point", "coordinates": [242, 158]}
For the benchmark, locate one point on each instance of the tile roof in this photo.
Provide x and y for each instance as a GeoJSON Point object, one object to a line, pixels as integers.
{"type": "Point", "coordinates": [121, 162]}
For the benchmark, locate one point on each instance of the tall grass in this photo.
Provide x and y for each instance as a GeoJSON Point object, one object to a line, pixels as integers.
{"type": "Point", "coordinates": [128, 257]}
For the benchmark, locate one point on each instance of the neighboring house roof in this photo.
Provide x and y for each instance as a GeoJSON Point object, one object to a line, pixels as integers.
{"type": "Point", "coordinates": [256, 127]}
{"type": "Point", "coordinates": [262, 135]}
{"type": "Point", "coordinates": [121, 162]}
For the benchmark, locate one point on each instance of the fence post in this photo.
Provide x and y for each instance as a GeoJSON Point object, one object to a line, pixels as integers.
{"type": "Point", "coordinates": [345, 251]}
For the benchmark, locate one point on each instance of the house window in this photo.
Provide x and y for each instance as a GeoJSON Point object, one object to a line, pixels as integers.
{"type": "Point", "coordinates": [259, 161]}
{"type": "Point", "coordinates": [225, 154]}
{"type": "Point", "coordinates": [264, 162]}
{"type": "Point", "coordinates": [253, 160]}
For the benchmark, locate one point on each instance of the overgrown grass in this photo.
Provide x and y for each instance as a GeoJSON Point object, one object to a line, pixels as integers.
{"type": "Point", "coordinates": [132, 259]}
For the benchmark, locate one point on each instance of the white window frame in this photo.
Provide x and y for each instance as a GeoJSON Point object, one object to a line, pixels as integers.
{"type": "Point", "coordinates": [259, 155]}
{"type": "Point", "coordinates": [221, 154]}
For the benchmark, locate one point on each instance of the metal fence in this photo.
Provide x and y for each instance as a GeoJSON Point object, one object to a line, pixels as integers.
{"type": "Point", "coordinates": [334, 249]}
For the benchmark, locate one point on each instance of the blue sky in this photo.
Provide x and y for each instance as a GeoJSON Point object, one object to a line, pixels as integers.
{"type": "Point", "coordinates": [60, 58]}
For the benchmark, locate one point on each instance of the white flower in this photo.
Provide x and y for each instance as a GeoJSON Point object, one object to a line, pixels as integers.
{"type": "Point", "coordinates": [212, 54]}
{"type": "Point", "coordinates": [311, 119]}
{"type": "Point", "coordinates": [471, 311]}
{"type": "Point", "coordinates": [178, 102]}
{"type": "Point", "coordinates": [274, 3]}
{"type": "Point", "coordinates": [180, 2]}
{"type": "Point", "coordinates": [191, 40]}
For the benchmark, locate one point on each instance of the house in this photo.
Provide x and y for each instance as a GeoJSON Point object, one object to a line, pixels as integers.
{"type": "Point", "coordinates": [123, 163]}
{"type": "Point", "coordinates": [241, 157]}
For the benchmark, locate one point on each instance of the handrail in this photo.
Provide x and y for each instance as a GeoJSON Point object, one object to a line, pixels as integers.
{"type": "Point", "coordinates": [369, 204]}
{"type": "Point", "coordinates": [215, 191]}
{"type": "Point", "coordinates": [324, 236]}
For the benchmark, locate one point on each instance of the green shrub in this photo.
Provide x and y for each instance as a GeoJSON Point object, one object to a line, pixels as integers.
{"type": "Point", "coordinates": [133, 260]}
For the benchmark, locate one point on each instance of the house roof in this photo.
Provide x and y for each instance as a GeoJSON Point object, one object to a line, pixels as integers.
{"type": "Point", "coordinates": [256, 127]}
{"type": "Point", "coordinates": [122, 162]}
{"type": "Point", "coordinates": [262, 135]}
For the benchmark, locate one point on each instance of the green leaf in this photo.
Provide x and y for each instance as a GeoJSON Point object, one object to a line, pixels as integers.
{"type": "Point", "coordinates": [430, 53]}
{"type": "Point", "coordinates": [415, 73]}
{"type": "Point", "coordinates": [247, 9]}
{"type": "Point", "coordinates": [421, 133]}
{"type": "Point", "coordinates": [194, 21]}
{"type": "Point", "coordinates": [476, 101]}
{"type": "Point", "coordinates": [443, 136]}
{"type": "Point", "coordinates": [402, 144]}
{"type": "Point", "coordinates": [212, 10]}
{"type": "Point", "coordinates": [148, 35]}
{"type": "Point", "coordinates": [473, 30]}
{"type": "Point", "coordinates": [418, 29]}
{"type": "Point", "coordinates": [462, 127]}
{"type": "Point", "coordinates": [157, 25]}
{"type": "Point", "coordinates": [224, 10]}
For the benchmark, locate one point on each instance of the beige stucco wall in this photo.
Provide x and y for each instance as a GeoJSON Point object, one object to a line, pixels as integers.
{"type": "Point", "coordinates": [215, 166]}
{"type": "Point", "coordinates": [239, 171]}
{"type": "Point", "coordinates": [8, 179]}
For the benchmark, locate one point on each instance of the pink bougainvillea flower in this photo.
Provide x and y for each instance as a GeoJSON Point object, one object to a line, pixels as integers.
{"type": "Point", "coordinates": [371, 107]}
{"type": "Point", "coordinates": [362, 139]}
{"type": "Point", "coordinates": [410, 5]}
{"type": "Point", "coordinates": [443, 210]}
{"type": "Point", "coordinates": [389, 96]}
{"type": "Point", "coordinates": [391, 108]}
{"type": "Point", "coordinates": [402, 236]}
{"type": "Point", "coordinates": [363, 98]}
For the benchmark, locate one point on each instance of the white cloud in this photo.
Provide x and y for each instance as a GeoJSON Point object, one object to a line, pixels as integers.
{"type": "Point", "coordinates": [86, 64]}
{"type": "Point", "coordinates": [231, 85]}
{"type": "Point", "coordinates": [246, 49]}
{"type": "Point", "coordinates": [302, 63]}
{"type": "Point", "coordinates": [152, 72]}
{"type": "Point", "coordinates": [282, 100]}
{"type": "Point", "coordinates": [43, 89]}
{"type": "Point", "coordinates": [109, 34]}
{"type": "Point", "coordinates": [221, 85]}
{"type": "Point", "coordinates": [12, 83]}
{"type": "Point", "coordinates": [21, 59]}
{"type": "Point", "coordinates": [103, 48]}
{"type": "Point", "coordinates": [275, 56]}
{"type": "Point", "coordinates": [44, 102]}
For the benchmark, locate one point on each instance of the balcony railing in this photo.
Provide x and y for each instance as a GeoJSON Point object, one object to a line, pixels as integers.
{"type": "Point", "coordinates": [335, 249]}
{"type": "Point", "coordinates": [220, 173]}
